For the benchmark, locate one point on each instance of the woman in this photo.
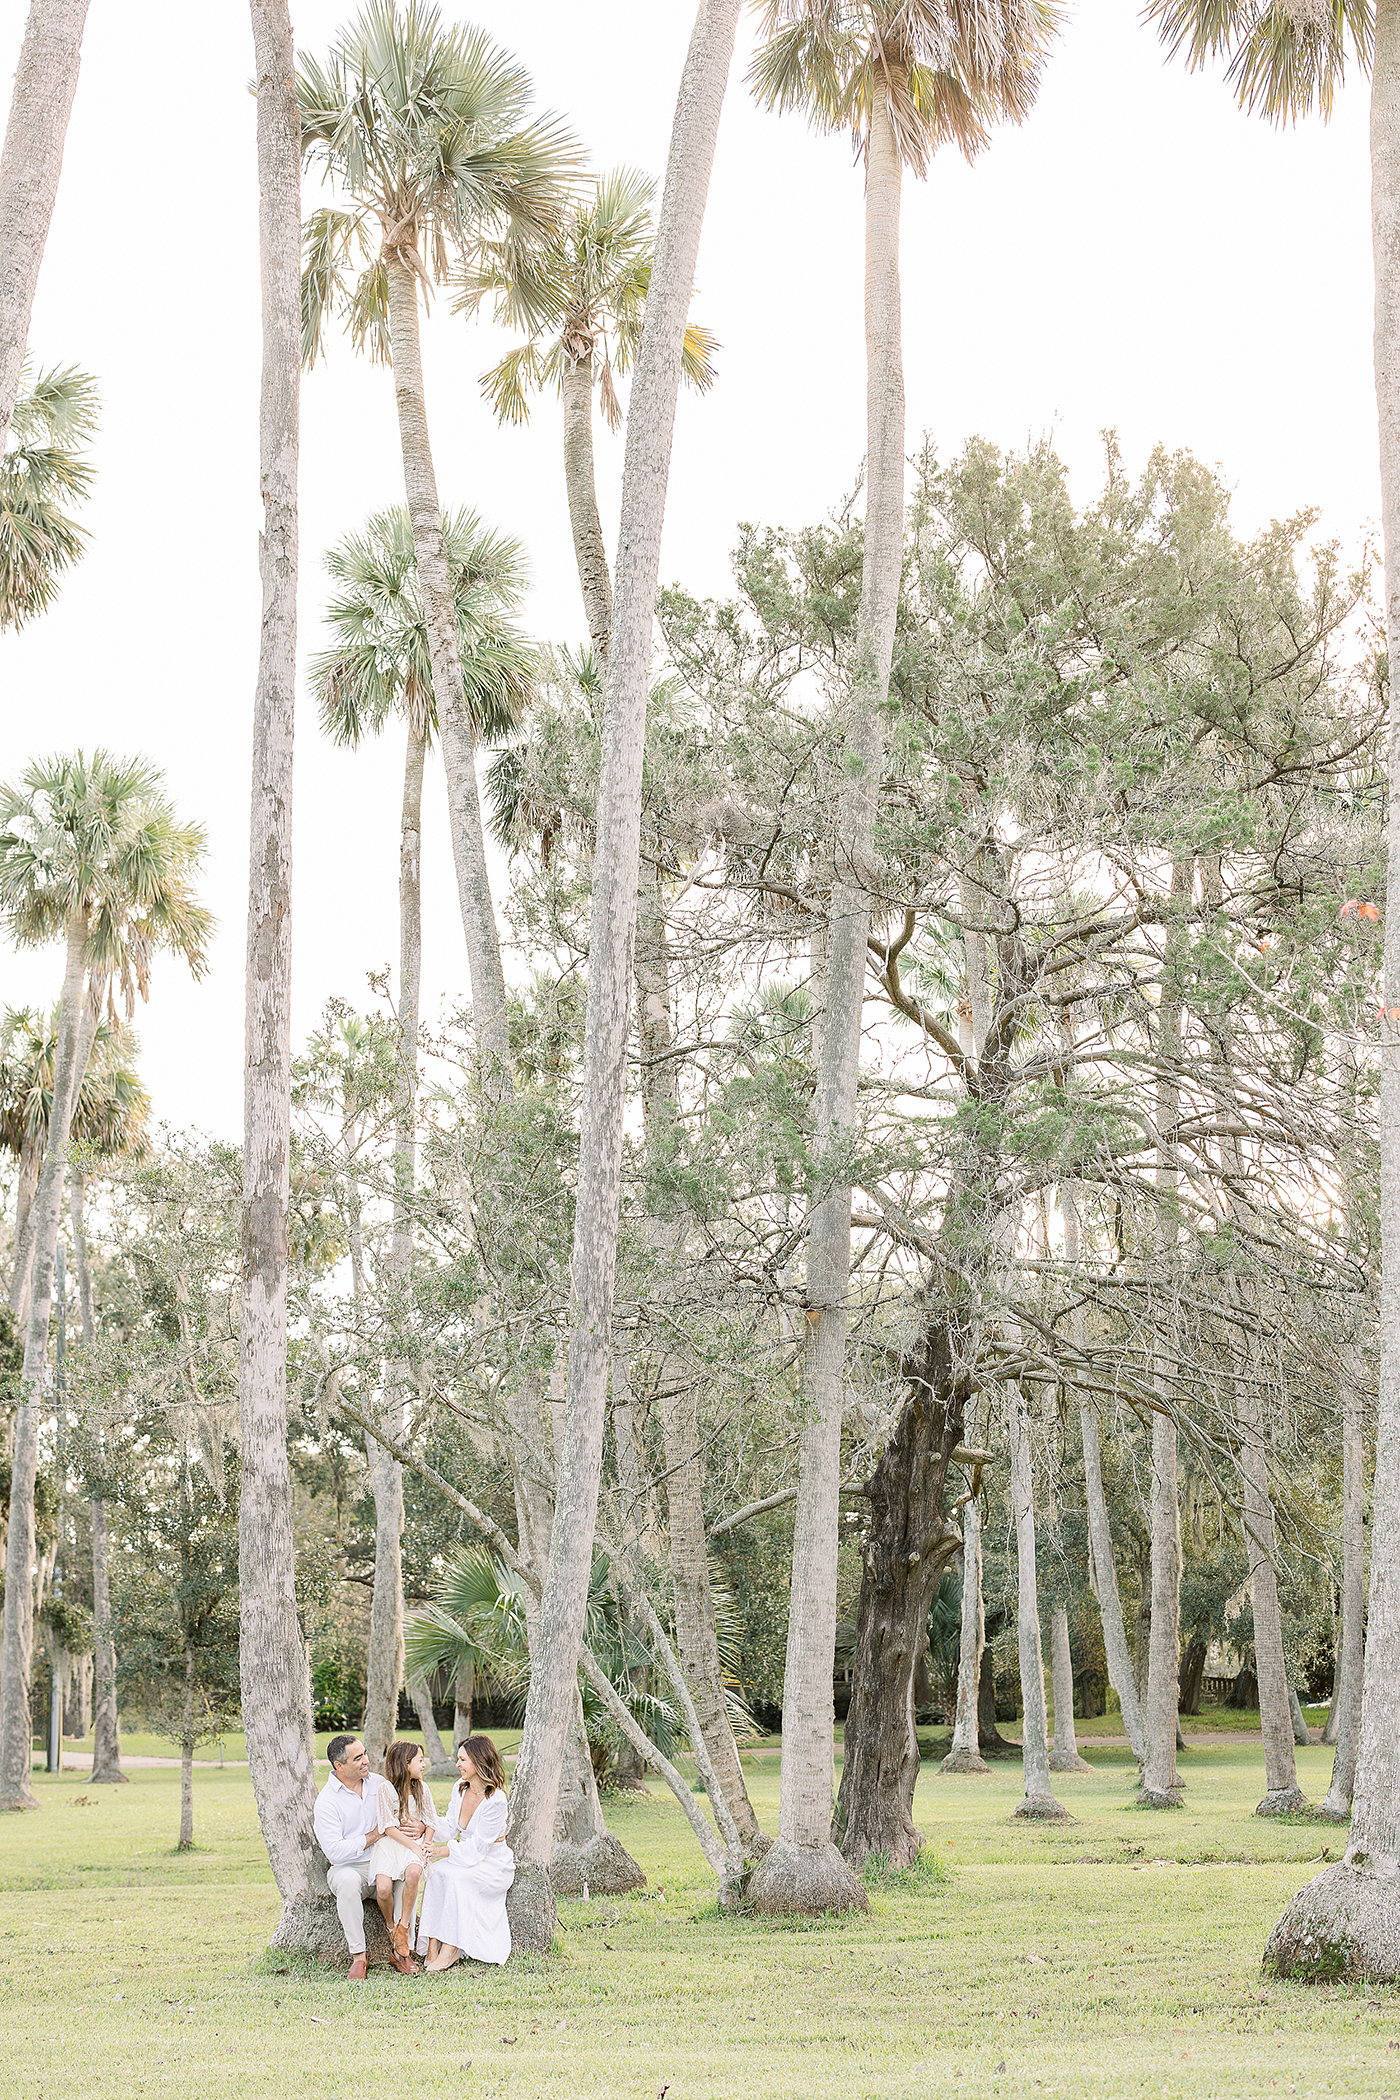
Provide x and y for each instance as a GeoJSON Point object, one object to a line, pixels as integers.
{"type": "Point", "coordinates": [464, 1899]}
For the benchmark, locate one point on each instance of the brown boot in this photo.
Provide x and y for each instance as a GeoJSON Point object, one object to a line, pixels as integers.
{"type": "Point", "coordinates": [403, 1961]}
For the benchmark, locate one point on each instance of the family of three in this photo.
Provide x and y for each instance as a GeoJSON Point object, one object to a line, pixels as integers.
{"type": "Point", "coordinates": [384, 1834]}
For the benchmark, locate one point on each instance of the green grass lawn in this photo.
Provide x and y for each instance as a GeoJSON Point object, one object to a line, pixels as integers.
{"type": "Point", "coordinates": [1117, 1955]}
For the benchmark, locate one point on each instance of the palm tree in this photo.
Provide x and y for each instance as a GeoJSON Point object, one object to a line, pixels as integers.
{"type": "Point", "coordinates": [423, 130]}
{"type": "Point", "coordinates": [379, 665]}
{"type": "Point", "coordinates": [41, 471]}
{"type": "Point", "coordinates": [904, 76]}
{"type": "Point", "coordinates": [272, 1653]}
{"type": "Point", "coordinates": [46, 80]}
{"type": "Point", "coordinates": [90, 852]}
{"type": "Point", "coordinates": [582, 296]}
{"type": "Point", "coordinates": [1283, 62]}
{"type": "Point", "coordinates": [108, 1119]}
{"type": "Point", "coordinates": [650, 424]}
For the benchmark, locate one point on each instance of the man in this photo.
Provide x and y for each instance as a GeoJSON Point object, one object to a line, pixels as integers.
{"type": "Point", "coordinates": [347, 1825]}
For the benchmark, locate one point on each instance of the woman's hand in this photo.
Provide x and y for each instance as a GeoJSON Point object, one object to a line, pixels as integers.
{"type": "Point", "coordinates": [432, 1852]}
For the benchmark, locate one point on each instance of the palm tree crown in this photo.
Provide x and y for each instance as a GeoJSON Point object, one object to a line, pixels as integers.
{"type": "Point", "coordinates": [1282, 59]}
{"type": "Point", "coordinates": [379, 661]}
{"type": "Point", "coordinates": [423, 129]}
{"type": "Point", "coordinates": [97, 839]}
{"type": "Point", "coordinates": [42, 473]}
{"type": "Point", "coordinates": [580, 294]}
{"type": "Point", "coordinates": [111, 1107]}
{"type": "Point", "coordinates": [949, 68]}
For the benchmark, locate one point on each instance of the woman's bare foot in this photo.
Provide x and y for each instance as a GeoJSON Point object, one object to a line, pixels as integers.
{"type": "Point", "coordinates": [445, 1958]}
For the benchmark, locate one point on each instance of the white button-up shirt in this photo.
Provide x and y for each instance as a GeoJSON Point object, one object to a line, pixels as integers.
{"type": "Point", "coordinates": [342, 1820]}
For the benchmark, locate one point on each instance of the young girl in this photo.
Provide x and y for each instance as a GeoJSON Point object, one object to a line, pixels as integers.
{"type": "Point", "coordinates": [405, 1796]}
{"type": "Point", "coordinates": [464, 1905]}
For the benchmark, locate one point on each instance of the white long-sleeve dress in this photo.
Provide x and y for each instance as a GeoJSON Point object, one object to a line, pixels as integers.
{"type": "Point", "coordinates": [464, 1900]}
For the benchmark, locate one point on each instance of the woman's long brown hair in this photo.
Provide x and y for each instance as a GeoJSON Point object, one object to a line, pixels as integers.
{"type": "Point", "coordinates": [487, 1759]}
{"type": "Point", "coordinates": [397, 1760]}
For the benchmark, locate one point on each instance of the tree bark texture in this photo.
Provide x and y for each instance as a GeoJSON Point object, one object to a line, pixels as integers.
{"type": "Point", "coordinates": [384, 1662]}
{"type": "Point", "coordinates": [1039, 1801]}
{"type": "Point", "coordinates": [30, 1160]}
{"type": "Point", "coordinates": [650, 423]}
{"type": "Point", "coordinates": [590, 551]}
{"type": "Point", "coordinates": [1064, 1752]}
{"type": "Point", "coordinates": [440, 618]}
{"type": "Point", "coordinates": [908, 1544]}
{"type": "Point", "coordinates": [1283, 1795]}
{"type": "Point", "coordinates": [964, 1754]}
{"type": "Point", "coordinates": [1336, 1802]}
{"type": "Point", "coordinates": [801, 1871]}
{"type": "Point", "coordinates": [31, 160]}
{"type": "Point", "coordinates": [16, 1656]}
{"type": "Point", "coordinates": [272, 1655]}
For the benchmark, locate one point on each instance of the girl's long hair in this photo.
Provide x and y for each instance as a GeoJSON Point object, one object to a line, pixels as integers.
{"type": "Point", "coordinates": [487, 1759]}
{"type": "Point", "coordinates": [397, 1760]}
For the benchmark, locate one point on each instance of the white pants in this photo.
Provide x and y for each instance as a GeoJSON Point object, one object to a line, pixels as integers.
{"type": "Point", "coordinates": [350, 1885]}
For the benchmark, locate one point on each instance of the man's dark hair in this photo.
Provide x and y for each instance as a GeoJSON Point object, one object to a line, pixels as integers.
{"type": "Point", "coordinates": [337, 1747]}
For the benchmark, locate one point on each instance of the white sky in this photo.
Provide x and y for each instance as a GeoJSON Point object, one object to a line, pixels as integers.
{"type": "Point", "coordinates": [1140, 255]}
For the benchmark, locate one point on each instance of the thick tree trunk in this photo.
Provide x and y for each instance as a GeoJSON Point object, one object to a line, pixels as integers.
{"type": "Point", "coordinates": [803, 1872]}
{"type": "Point", "coordinates": [964, 1754]}
{"type": "Point", "coordinates": [650, 423]}
{"type": "Point", "coordinates": [439, 613]}
{"type": "Point", "coordinates": [908, 1543]}
{"type": "Point", "coordinates": [1347, 1921]}
{"type": "Point", "coordinates": [16, 1657]}
{"type": "Point", "coordinates": [590, 552]}
{"type": "Point", "coordinates": [1336, 1803]}
{"type": "Point", "coordinates": [272, 1655]}
{"type": "Point", "coordinates": [46, 81]}
{"type": "Point", "coordinates": [1039, 1801]}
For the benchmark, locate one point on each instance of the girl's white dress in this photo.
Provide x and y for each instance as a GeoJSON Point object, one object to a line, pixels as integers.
{"type": "Point", "coordinates": [464, 1904]}
{"type": "Point", "coordinates": [388, 1856]}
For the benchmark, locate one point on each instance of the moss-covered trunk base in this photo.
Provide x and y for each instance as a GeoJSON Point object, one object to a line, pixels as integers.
{"type": "Point", "coordinates": [804, 1879]}
{"type": "Point", "coordinates": [1343, 1927]}
{"type": "Point", "coordinates": [602, 1867]}
{"type": "Point", "coordinates": [964, 1761]}
{"type": "Point", "coordinates": [531, 1910]}
{"type": "Point", "coordinates": [1284, 1801]}
{"type": "Point", "coordinates": [310, 1925]}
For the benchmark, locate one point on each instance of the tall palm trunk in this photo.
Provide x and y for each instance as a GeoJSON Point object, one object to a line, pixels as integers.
{"type": "Point", "coordinates": [1038, 1801]}
{"type": "Point", "coordinates": [650, 423]}
{"type": "Point", "coordinates": [106, 1739]}
{"type": "Point", "coordinates": [1336, 1803]}
{"type": "Point", "coordinates": [273, 1664]}
{"type": "Point", "coordinates": [46, 81]}
{"type": "Point", "coordinates": [384, 1663]}
{"type": "Point", "coordinates": [458, 744]}
{"type": "Point", "coordinates": [1350, 1911]}
{"type": "Point", "coordinates": [677, 1404]}
{"type": "Point", "coordinates": [590, 552]}
{"type": "Point", "coordinates": [22, 1279]}
{"type": "Point", "coordinates": [804, 1870]}
{"type": "Point", "coordinates": [16, 1656]}
{"type": "Point", "coordinates": [1160, 1786]}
